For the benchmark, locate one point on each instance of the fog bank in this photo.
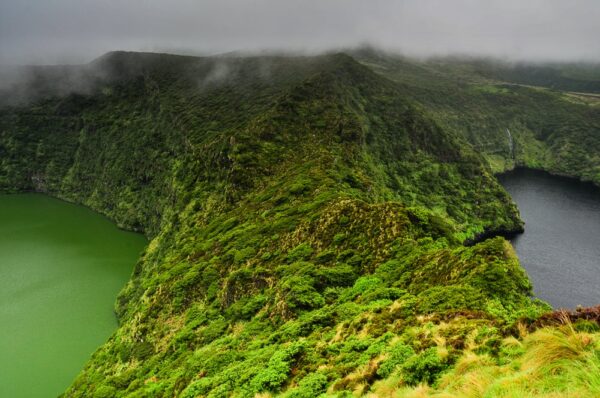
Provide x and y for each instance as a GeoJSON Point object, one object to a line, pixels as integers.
{"type": "Point", "coordinates": [76, 31]}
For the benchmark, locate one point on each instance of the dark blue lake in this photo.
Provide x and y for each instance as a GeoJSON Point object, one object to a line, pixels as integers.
{"type": "Point", "coordinates": [560, 248]}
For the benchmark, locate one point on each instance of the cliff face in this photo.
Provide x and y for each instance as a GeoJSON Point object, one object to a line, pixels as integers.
{"type": "Point", "coordinates": [306, 221]}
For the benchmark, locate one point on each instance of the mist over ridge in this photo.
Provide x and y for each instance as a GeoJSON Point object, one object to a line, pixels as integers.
{"type": "Point", "coordinates": [68, 31]}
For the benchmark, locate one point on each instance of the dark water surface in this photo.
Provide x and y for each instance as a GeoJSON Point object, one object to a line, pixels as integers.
{"type": "Point", "coordinates": [61, 267]}
{"type": "Point", "coordinates": [560, 248]}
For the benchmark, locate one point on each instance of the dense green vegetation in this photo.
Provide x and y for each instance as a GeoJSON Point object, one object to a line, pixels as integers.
{"type": "Point", "coordinates": [307, 217]}
{"type": "Point", "coordinates": [480, 99]}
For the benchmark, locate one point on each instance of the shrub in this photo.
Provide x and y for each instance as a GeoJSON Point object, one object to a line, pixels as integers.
{"type": "Point", "coordinates": [244, 254]}
{"type": "Point", "coordinates": [339, 238]}
{"type": "Point", "coordinates": [299, 293]}
{"type": "Point", "coordinates": [198, 388]}
{"type": "Point", "coordinates": [340, 275]}
{"type": "Point", "coordinates": [276, 373]}
{"type": "Point", "coordinates": [383, 293]}
{"type": "Point", "coordinates": [246, 307]}
{"type": "Point", "coordinates": [325, 256]}
{"type": "Point", "coordinates": [424, 367]}
{"type": "Point", "coordinates": [213, 330]}
{"type": "Point", "coordinates": [445, 298]}
{"type": "Point", "coordinates": [397, 355]}
{"type": "Point", "coordinates": [142, 350]}
{"type": "Point", "coordinates": [390, 270]}
{"type": "Point", "coordinates": [586, 326]}
{"type": "Point", "coordinates": [105, 391]}
{"type": "Point", "coordinates": [310, 386]}
{"type": "Point", "coordinates": [301, 252]}
{"type": "Point", "coordinates": [362, 285]}
{"type": "Point", "coordinates": [300, 186]}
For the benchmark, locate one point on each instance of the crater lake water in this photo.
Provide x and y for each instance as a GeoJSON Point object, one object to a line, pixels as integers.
{"type": "Point", "coordinates": [560, 248]}
{"type": "Point", "coordinates": [61, 268]}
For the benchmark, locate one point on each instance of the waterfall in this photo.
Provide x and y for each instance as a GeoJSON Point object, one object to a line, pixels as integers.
{"type": "Point", "coordinates": [510, 144]}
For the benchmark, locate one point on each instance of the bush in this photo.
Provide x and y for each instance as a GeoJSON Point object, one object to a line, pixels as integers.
{"type": "Point", "coordinates": [340, 275]}
{"type": "Point", "coordinates": [445, 298]}
{"type": "Point", "coordinates": [383, 293]}
{"type": "Point", "coordinates": [325, 256]}
{"type": "Point", "coordinates": [397, 355]}
{"type": "Point", "coordinates": [105, 391]}
{"type": "Point", "coordinates": [301, 252]}
{"type": "Point", "coordinates": [276, 373]}
{"type": "Point", "coordinates": [425, 367]}
{"type": "Point", "coordinates": [246, 307]}
{"type": "Point", "coordinates": [142, 350]}
{"type": "Point", "coordinates": [310, 386]}
{"type": "Point", "coordinates": [299, 293]}
{"type": "Point", "coordinates": [198, 388]}
{"type": "Point", "coordinates": [362, 285]}
{"type": "Point", "coordinates": [391, 270]}
{"type": "Point", "coordinates": [583, 325]}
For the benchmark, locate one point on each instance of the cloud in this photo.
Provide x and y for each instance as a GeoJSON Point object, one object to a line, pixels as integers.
{"type": "Point", "coordinates": [52, 31]}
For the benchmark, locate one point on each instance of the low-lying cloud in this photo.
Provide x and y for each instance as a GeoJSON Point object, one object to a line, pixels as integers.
{"type": "Point", "coordinates": [72, 31]}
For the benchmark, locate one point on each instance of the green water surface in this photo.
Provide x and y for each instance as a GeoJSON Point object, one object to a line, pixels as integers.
{"type": "Point", "coordinates": [61, 267]}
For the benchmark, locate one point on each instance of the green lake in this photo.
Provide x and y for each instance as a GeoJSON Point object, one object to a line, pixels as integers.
{"type": "Point", "coordinates": [61, 268]}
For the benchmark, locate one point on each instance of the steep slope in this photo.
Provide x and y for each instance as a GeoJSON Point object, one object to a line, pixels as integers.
{"type": "Point", "coordinates": [306, 218]}
{"type": "Point", "coordinates": [511, 123]}
{"type": "Point", "coordinates": [118, 148]}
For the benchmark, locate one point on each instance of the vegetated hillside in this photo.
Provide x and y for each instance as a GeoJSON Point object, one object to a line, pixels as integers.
{"type": "Point", "coordinates": [484, 101]}
{"type": "Point", "coordinates": [575, 77]}
{"type": "Point", "coordinates": [142, 131]}
{"type": "Point", "coordinates": [307, 221]}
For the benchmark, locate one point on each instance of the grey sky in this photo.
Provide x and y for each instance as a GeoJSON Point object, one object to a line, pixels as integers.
{"type": "Point", "coordinates": [51, 31]}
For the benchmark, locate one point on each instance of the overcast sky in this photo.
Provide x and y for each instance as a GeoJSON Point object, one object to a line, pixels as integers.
{"type": "Point", "coordinates": [52, 31]}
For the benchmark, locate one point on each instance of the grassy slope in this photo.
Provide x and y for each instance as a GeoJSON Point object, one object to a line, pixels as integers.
{"type": "Point", "coordinates": [550, 362]}
{"type": "Point", "coordinates": [306, 221]}
{"type": "Point", "coordinates": [552, 130]}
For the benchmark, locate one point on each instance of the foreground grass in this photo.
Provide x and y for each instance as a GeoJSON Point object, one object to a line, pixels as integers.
{"type": "Point", "coordinates": [551, 362]}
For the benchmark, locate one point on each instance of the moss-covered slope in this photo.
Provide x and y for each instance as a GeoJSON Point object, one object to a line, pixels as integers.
{"type": "Point", "coordinates": [306, 218]}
